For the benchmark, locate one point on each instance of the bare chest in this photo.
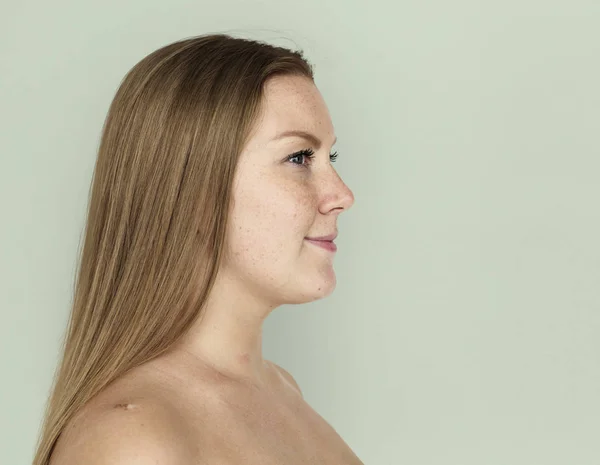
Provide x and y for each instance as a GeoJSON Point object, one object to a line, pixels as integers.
{"type": "Point", "coordinates": [257, 431]}
{"type": "Point", "coordinates": [231, 425]}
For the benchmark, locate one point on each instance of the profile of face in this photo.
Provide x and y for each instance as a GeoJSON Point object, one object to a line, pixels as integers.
{"type": "Point", "coordinates": [279, 201]}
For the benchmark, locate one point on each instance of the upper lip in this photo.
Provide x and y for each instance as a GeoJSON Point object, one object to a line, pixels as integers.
{"type": "Point", "coordinates": [329, 237]}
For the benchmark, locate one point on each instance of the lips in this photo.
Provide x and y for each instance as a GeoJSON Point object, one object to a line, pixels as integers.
{"type": "Point", "coordinates": [328, 245]}
{"type": "Point", "coordinates": [328, 238]}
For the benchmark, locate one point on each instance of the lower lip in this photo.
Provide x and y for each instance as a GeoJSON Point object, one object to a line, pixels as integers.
{"type": "Point", "coordinates": [329, 245]}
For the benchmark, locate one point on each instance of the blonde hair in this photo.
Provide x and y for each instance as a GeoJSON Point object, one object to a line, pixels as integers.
{"type": "Point", "coordinates": [158, 209]}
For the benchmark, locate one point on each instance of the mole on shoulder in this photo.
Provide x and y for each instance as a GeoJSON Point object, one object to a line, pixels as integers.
{"type": "Point", "coordinates": [126, 406]}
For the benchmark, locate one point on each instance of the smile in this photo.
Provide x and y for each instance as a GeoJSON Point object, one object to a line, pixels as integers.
{"type": "Point", "coordinates": [327, 245]}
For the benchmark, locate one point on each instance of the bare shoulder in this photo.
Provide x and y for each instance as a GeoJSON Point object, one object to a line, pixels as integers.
{"type": "Point", "coordinates": [122, 434]}
{"type": "Point", "coordinates": [288, 376]}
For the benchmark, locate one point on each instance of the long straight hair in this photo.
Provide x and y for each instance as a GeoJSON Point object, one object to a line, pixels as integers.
{"type": "Point", "coordinates": [157, 214]}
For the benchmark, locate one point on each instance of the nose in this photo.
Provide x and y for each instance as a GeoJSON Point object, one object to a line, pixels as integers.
{"type": "Point", "coordinates": [346, 198]}
{"type": "Point", "coordinates": [337, 194]}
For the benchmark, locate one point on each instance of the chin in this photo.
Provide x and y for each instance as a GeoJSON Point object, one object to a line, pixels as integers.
{"type": "Point", "coordinates": [324, 290]}
{"type": "Point", "coordinates": [316, 293]}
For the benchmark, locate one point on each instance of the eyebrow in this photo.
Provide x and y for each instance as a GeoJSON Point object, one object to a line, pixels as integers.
{"type": "Point", "coordinates": [303, 134]}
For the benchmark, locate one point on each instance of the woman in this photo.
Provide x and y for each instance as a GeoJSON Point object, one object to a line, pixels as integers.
{"type": "Point", "coordinates": [205, 213]}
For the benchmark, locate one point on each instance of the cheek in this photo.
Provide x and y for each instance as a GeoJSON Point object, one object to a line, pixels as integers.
{"type": "Point", "coordinates": [270, 222]}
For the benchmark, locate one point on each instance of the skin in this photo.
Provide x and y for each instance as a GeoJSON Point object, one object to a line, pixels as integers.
{"type": "Point", "coordinates": [213, 398]}
{"type": "Point", "coordinates": [277, 204]}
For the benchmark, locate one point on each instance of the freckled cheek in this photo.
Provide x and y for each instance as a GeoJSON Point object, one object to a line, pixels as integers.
{"type": "Point", "coordinates": [296, 202]}
{"type": "Point", "coordinates": [274, 213]}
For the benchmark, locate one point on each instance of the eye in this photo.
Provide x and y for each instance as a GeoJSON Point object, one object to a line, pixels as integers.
{"type": "Point", "coordinates": [310, 154]}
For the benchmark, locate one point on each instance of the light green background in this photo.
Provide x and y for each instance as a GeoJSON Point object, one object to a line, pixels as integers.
{"type": "Point", "coordinates": [464, 329]}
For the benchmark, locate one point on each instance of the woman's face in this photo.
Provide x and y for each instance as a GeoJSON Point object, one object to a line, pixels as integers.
{"type": "Point", "coordinates": [278, 202]}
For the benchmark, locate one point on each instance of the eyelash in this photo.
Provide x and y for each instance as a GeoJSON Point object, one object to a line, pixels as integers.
{"type": "Point", "coordinates": [310, 154]}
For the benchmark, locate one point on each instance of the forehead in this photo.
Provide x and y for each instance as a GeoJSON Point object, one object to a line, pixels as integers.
{"type": "Point", "coordinates": [292, 103]}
